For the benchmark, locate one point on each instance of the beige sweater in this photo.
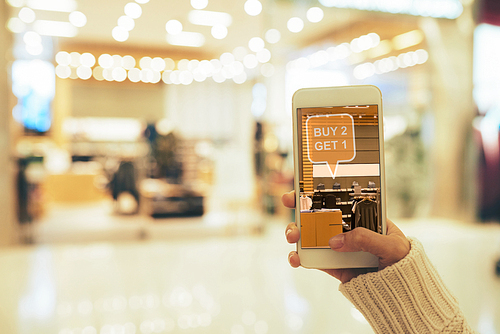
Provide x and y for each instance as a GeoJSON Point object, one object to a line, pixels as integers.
{"type": "Point", "coordinates": [407, 297]}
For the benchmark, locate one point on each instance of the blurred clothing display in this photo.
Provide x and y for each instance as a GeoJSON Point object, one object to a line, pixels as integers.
{"type": "Point", "coordinates": [487, 135]}
{"type": "Point", "coordinates": [124, 180]}
{"type": "Point", "coordinates": [305, 203]}
{"type": "Point", "coordinates": [365, 214]}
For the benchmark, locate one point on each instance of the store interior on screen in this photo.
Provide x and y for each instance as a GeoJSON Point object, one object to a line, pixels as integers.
{"type": "Point", "coordinates": [330, 206]}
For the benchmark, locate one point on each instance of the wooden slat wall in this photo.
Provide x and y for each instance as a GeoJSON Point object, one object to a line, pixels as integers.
{"type": "Point", "coordinates": [307, 166]}
{"type": "Point", "coordinates": [366, 142]}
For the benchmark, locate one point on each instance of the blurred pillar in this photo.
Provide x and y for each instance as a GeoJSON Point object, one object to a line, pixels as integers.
{"type": "Point", "coordinates": [450, 48]}
{"type": "Point", "coordinates": [7, 213]}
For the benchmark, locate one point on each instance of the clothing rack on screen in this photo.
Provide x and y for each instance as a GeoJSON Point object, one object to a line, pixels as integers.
{"type": "Point", "coordinates": [365, 209]}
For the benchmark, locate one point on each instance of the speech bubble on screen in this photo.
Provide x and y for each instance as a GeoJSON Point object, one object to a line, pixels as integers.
{"type": "Point", "coordinates": [330, 140]}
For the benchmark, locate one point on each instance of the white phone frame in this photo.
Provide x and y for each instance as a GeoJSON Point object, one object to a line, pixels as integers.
{"type": "Point", "coordinates": [333, 97]}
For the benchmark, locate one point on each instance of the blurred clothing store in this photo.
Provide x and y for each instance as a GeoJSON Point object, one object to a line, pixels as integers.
{"type": "Point", "coordinates": [146, 145]}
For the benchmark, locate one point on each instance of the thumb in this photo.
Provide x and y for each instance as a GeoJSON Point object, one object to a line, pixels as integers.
{"type": "Point", "coordinates": [361, 239]}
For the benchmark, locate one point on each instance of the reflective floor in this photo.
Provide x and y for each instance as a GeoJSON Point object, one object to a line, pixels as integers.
{"type": "Point", "coordinates": [220, 284]}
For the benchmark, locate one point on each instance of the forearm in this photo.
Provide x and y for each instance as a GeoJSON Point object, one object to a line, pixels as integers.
{"type": "Point", "coordinates": [407, 297]}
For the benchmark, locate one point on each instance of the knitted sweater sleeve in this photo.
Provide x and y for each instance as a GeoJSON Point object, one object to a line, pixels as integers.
{"type": "Point", "coordinates": [407, 297]}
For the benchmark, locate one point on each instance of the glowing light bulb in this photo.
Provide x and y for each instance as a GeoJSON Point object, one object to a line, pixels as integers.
{"type": "Point", "coordinates": [173, 27]}
{"type": "Point", "coordinates": [315, 14]}
{"type": "Point", "coordinates": [295, 24]}
{"type": "Point", "coordinates": [253, 7]}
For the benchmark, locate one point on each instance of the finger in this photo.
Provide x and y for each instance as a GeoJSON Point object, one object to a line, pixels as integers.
{"type": "Point", "coordinates": [361, 239]}
{"type": "Point", "coordinates": [393, 229]}
{"type": "Point", "coordinates": [288, 199]}
{"type": "Point", "coordinates": [388, 248]}
{"type": "Point", "coordinates": [293, 259]}
{"type": "Point", "coordinates": [292, 233]}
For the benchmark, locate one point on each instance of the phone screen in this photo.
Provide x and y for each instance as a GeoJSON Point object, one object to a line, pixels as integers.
{"type": "Point", "coordinates": [339, 172]}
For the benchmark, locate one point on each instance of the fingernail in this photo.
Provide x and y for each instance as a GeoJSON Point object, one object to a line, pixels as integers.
{"type": "Point", "coordinates": [337, 241]}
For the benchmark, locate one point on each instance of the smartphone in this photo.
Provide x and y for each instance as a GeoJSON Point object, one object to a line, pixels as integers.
{"type": "Point", "coordinates": [339, 171]}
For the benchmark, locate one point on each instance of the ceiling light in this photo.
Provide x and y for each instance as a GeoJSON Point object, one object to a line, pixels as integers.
{"type": "Point", "coordinates": [364, 71]}
{"type": "Point", "coordinates": [216, 65]}
{"type": "Point", "coordinates": [381, 49]}
{"type": "Point", "coordinates": [226, 58]}
{"type": "Point", "coordinates": [256, 44]}
{"type": "Point", "coordinates": [31, 38]}
{"type": "Point", "coordinates": [126, 22]}
{"type": "Point", "coordinates": [15, 25]}
{"type": "Point", "coordinates": [422, 56]}
{"type": "Point", "coordinates": [53, 5]}
{"type": "Point", "coordinates": [227, 72]}
{"type": "Point", "coordinates": [174, 77]}
{"type": "Point", "coordinates": [134, 75]}
{"type": "Point", "coordinates": [27, 15]}
{"type": "Point", "coordinates": [199, 4]}
{"type": "Point", "coordinates": [55, 28]}
{"type": "Point", "coordinates": [186, 77]}
{"type": "Point", "coordinates": [184, 38]}
{"type": "Point", "coordinates": [208, 18]}
{"type": "Point", "coordinates": [107, 73]}
{"type": "Point", "coordinates": [263, 56]}
{"type": "Point", "coordinates": [97, 73]}
{"type": "Point", "coordinates": [75, 59]}
{"type": "Point", "coordinates": [207, 67]}
{"type": "Point", "coordinates": [165, 77]}
{"type": "Point", "coordinates": [63, 72]}
{"type": "Point", "coordinates": [219, 77]}
{"type": "Point", "coordinates": [84, 72]}
{"type": "Point", "coordinates": [63, 58]}
{"type": "Point", "coordinates": [16, 3]}
{"type": "Point", "coordinates": [240, 78]}
{"type": "Point", "coordinates": [193, 64]}
{"type": "Point", "coordinates": [250, 61]}
{"type": "Point", "coordinates": [158, 64]}
{"type": "Point", "coordinates": [219, 31]}
{"type": "Point", "coordinates": [450, 9]}
{"type": "Point", "coordinates": [354, 45]}
{"type": "Point", "coordinates": [133, 10]}
{"type": "Point", "coordinates": [105, 60]}
{"type": "Point", "coordinates": [145, 62]}
{"type": "Point", "coordinates": [199, 75]}
{"type": "Point", "coordinates": [239, 52]}
{"type": "Point", "coordinates": [156, 77]}
{"type": "Point", "coordinates": [315, 14]}
{"type": "Point", "coordinates": [78, 19]}
{"type": "Point", "coordinates": [87, 59]}
{"type": "Point", "coordinates": [146, 75]}
{"type": "Point", "coordinates": [295, 24]}
{"type": "Point", "coordinates": [237, 67]}
{"type": "Point", "coordinates": [117, 61]}
{"type": "Point", "coordinates": [375, 39]}
{"type": "Point", "coordinates": [34, 50]}
{"type": "Point", "coordinates": [169, 64]}
{"type": "Point", "coordinates": [267, 70]}
{"type": "Point", "coordinates": [253, 7]}
{"type": "Point", "coordinates": [173, 27]}
{"type": "Point", "coordinates": [273, 36]}
{"type": "Point", "coordinates": [128, 62]}
{"type": "Point", "coordinates": [408, 39]}
{"type": "Point", "coordinates": [119, 34]}
{"type": "Point", "coordinates": [119, 74]}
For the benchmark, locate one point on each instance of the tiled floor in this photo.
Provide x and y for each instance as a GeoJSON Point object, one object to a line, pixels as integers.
{"type": "Point", "coordinates": [230, 283]}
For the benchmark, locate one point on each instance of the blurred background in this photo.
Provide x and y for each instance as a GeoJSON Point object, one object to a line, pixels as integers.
{"type": "Point", "coordinates": [145, 147]}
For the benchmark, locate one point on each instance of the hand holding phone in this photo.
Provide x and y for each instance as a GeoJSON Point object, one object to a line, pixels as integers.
{"type": "Point", "coordinates": [339, 167]}
{"type": "Point", "coordinates": [389, 248]}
